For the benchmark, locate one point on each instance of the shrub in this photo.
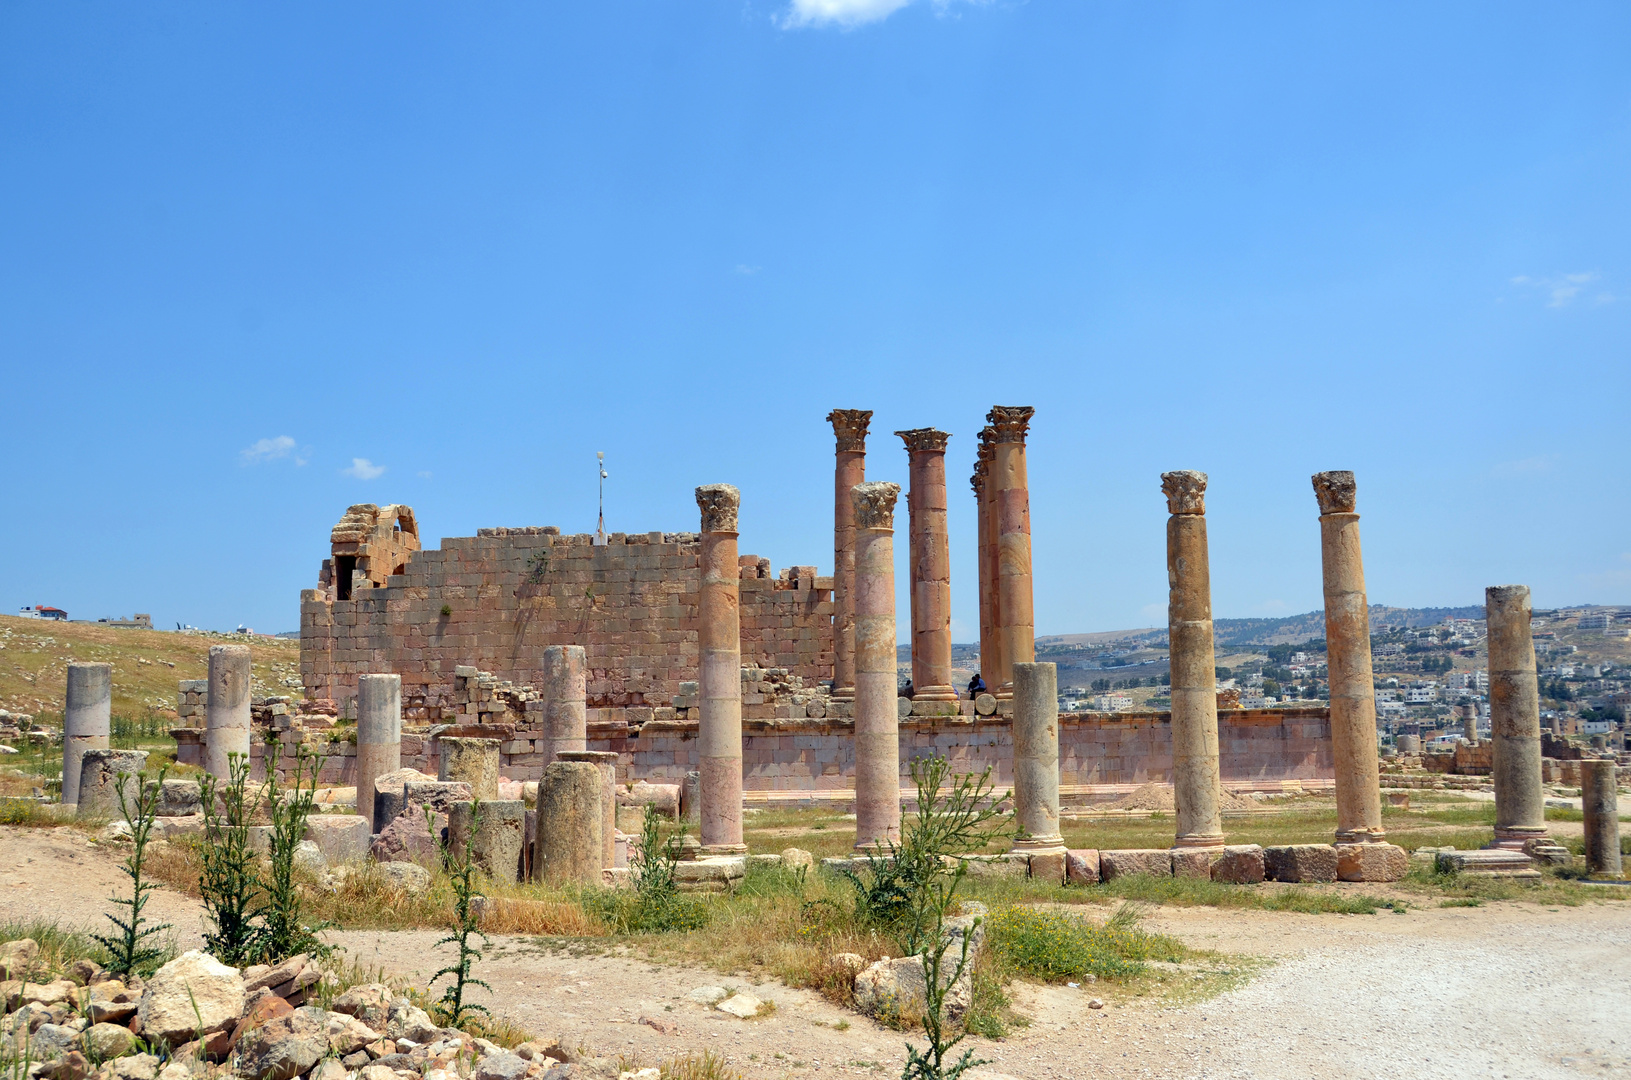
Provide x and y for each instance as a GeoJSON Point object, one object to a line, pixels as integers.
{"type": "Point", "coordinates": [1054, 946]}
{"type": "Point", "coordinates": [461, 872]}
{"type": "Point", "coordinates": [655, 905]}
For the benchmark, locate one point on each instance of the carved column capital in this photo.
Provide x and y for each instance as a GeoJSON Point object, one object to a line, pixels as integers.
{"type": "Point", "coordinates": [850, 425]}
{"type": "Point", "coordinates": [1185, 490]}
{"type": "Point", "coordinates": [875, 504]}
{"type": "Point", "coordinates": [1336, 491]}
{"type": "Point", "coordinates": [924, 438]}
{"type": "Point", "coordinates": [719, 503]}
{"type": "Point", "coordinates": [1009, 422]}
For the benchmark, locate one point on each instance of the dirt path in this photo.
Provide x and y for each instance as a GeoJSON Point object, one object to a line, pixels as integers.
{"type": "Point", "coordinates": [1504, 990]}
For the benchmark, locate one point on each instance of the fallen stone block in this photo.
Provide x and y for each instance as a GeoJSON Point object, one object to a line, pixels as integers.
{"type": "Point", "coordinates": [1011, 865]}
{"type": "Point", "coordinates": [1371, 862]}
{"type": "Point", "coordinates": [1488, 862]}
{"type": "Point", "coordinates": [194, 994]}
{"type": "Point", "coordinates": [1156, 862]}
{"type": "Point", "coordinates": [895, 990]}
{"type": "Point", "coordinates": [1082, 866]}
{"type": "Point", "coordinates": [1300, 862]}
{"type": "Point", "coordinates": [1240, 864]}
{"type": "Point", "coordinates": [342, 838]}
{"type": "Point", "coordinates": [716, 874]}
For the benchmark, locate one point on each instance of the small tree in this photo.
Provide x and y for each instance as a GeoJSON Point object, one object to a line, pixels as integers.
{"type": "Point", "coordinates": [228, 883]}
{"type": "Point", "coordinates": [282, 932]}
{"type": "Point", "coordinates": [452, 1007]}
{"type": "Point", "coordinates": [127, 952]}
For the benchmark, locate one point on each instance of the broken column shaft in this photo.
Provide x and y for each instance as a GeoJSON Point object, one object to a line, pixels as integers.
{"type": "Point", "coordinates": [470, 761]}
{"type": "Point", "coordinates": [1600, 802]}
{"type": "Point", "coordinates": [1514, 716]}
{"type": "Point", "coordinates": [1347, 643]}
{"type": "Point", "coordinates": [1036, 757]}
{"type": "Point", "coordinates": [930, 568]}
{"type": "Point", "coordinates": [379, 738]}
{"type": "Point", "coordinates": [877, 717]}
{"type": "Point", "coordinates": [1011, 513]}
{"type": "Point", "coordinates": [226, 719]}
{"type": "Point", "coordinates": [850, 427]}
{"type": "Point", "coordinates": [86, 721]}
{"type": "Point", "coordinates": [565, 700]}
{"type": "Point", "coordinates": [606, 762]}
{"type": "Point", "coordinates": [1197, 786]}
{"type": "Point", "coordinates": [719, 678]}
{"type": "Point", "coordinates": [568, 846]}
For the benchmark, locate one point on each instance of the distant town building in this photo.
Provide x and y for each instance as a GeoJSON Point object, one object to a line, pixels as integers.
{"type": "Point", "coordinates": [134, 622]}
{"type": "Point", "coordinates": [1112, 702]}
{"type": "Point", "coordinates": [40, 611]}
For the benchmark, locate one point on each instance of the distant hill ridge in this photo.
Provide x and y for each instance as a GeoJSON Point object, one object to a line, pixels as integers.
{"type": "Point", "coordinates": [1291, 628]}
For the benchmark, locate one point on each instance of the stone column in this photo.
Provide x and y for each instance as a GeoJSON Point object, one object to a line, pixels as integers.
{"type": "Point", "coordinates": [1012, 515]}
{"type": "Point", "coordinates": [1601, 803]}
{"type": "Point", "coordinates": [877, 717]}
{"type": "Point", "coordinates": [1036, 758]}
{"type": "Point", "coordinates": [850, 427]}
{"type": "Point", "coordinates": [99, 781]}
{"type": "Point", "coordinates": [931, 572]}
{"type": "Point", "coordinates": [495, 844]}
{"type": "Point", "coordinates": [1469, 725]}
{"type": "Point", "coordinates": [1514, 715]}
{"type": "Point", "coordinates": [719, 678]}
{"type": "Point", "coordinates": [568, 847]}
{"type": "Point", "coordinates": [470, 761]}
{"type": "Point", "coordinates": [982, 554]}
{"type": "Point", "coordinates": [606, 762]}
{"type": "Point", "coordinates": [379, 737]}
{"type": "Point", "coordinates": [1347, 643]}
{"type": "Point", "coordinates": [226, 716]}
{"type": "Point", "coordinates": [86, 721]}
{"type": "Point", "coordinates": [1197, 786]}
{"type": "Point", "coordinates": [566, 723]}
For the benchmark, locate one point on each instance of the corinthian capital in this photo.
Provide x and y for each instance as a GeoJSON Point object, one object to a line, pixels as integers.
{"type": "Point", "coordinates": [719, 503]}
{"type": "Point", "coordinates": [1185, 490]}
{"type": "Point", "coordinates": [1336, 491]}
{"type": "Point", "coordinates": [924, 438]}
{"type": "Point", "coordinates": [850, 426]}
{"type": "Point", "coordinates": [874, 504]}
{"type": "Point", "coordinates": [1009, 422]}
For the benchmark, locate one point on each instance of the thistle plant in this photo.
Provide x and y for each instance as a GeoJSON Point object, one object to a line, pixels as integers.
{"type": "Point", "coordinates": [127, 951]}
{"type": "Point", "coordinates": [452, 1008]}
{"type": "Point", "coordinates": [282, 932]}
{"type": "Point", "coordinates": [229, 884]}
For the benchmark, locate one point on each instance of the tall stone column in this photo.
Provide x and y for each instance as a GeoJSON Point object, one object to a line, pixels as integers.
{"type": "Point", "coordinates": [86, 721]}
{"type": "Point", "coordinates": [877, 716]}
{"type": "Point", "coordinates": [1197, 786]}
{"type": "Point", "coordinates": [850, 427]}
{"type": "Point", "coordinates": [226, 714]}
{"type": "Point", "coordinates": [1036, 757]}
{"type": "Point", "coordinates": [1600, 801]}
{"type": "Point", "coordinates": [931, 572]}
{"type": "Point", "coordinates": [566, 723]}
{"type": "Point", "coordinates": [1514, 716]}
{"type": "Point", "coordinates": [379, 737]}
{"type": "Point", "coordinates": [1012, 513]}
{"type": "Point", "coordinates": [992, 664]}
{"type": "Point", "coordinates": [719, 633]}
{"type": "Point", "coordinates": [1347, 643]}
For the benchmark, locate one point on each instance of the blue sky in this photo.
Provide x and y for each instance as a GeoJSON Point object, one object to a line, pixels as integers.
{"type": "Point", "coordinates": [259, 262]}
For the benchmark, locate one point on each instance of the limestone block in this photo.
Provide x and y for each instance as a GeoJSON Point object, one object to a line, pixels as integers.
{"type": "Point", "coordinates": [1010, 865]}
{"type": "Point", "coordinates": [1049, 866]}
{"type": "Point", "coordinates": [1240, 864]}
{"type": "Point", "coordinates": [1154, 861]}
{"type": "Point", "coordinates": [495, 847]}
{"type": "Point", "coordinates": [1490, 862]}
{"type": "Point", "coordinates": [389, 798]}
{"type": "Point", "coordinates": [191, 995]}
{"type": "Point", "coordinates": [99, 781]}
{"type": "Point", "coordinates": [714, 874]}
{"type": "Point", "coordinates": [1300, 862]}
{"type": "Point", "coordinates": [341, 838]}
{"type": "Point", "coordinates": [1371, 862]}
{"type": "Point", "coordinates": [1193, 862]}
{"type": "Point", "coordinates": [1082, 866]}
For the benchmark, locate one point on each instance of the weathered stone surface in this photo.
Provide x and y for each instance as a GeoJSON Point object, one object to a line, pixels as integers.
{"type": "Point", "coordinates": [1153, 861]}
{"type": "Point", "coordinates": [134, 1067]}
{"type": "Point", "coordinates": [1371, 862]}
{"type": "Point", "coordinates": [795, 858]}
{"type": "Point", "coordinates": [192, 994]}
{"type": "Point", "coordinates": [411, 878]}
{"type": "Point", "coordinates": [470, 761]}
{"type": "Point", "coordinates": [708, 995]}
{"type": "Point", "coordinates": [285, 1046]}
{"type": "Point", "coordinates": [716, 874]}
{"type": "Point", "coordinates": [104, 1041]}
{"type": "Point", "coordinates": [407, 1021]}
{"type": "Point", "coordinates": [347, 1034]}
{"type": "Point", "coordinates": [895, 989]}
{"type": "Point", "coordinates": [504, 1066]}
{"type": "Point", "coordinates": [99, 772]}
{"type": "Point", "coordinates": [1489, 862]}
{"type": "Point", "coordinates": [569, 846]}
{"type": "Point", "coordinates": [179, 798]}
{"type": "Point", "coordinates": [1300, 862]}
{"type": "Point", "coordinates": [110, 1012]}
{"type": "Point", "coordinates": [18, 958]}
{"type": "Point", "coordinates": [495, 847]}
{"type": "Point", "coordinates": [369, 1003]}
{"type": "Point", "coordinates": [1193, 862]}
{"type": "Point", "coordinates": [436, 795]}
{"type": "Point", "coordinates": [665, 797]}
{"type": "Point", "coordinates": [1239, 864]}
{"type": "Point", "coordinates": [257, 1015]}
{"type": "Point", "coordinates": [52, 993]}
{"type": "Point", "coordinates": [342, 838]}
{"type": "Point", "coordinates": [308, 858]}
{"type": "Point", "coordinates": [408, 839]}
{"type": "Point", "coordinates": [742, 1005]}
{"type": "Point", "coordinates": [390, 796]}
{"type": "Point", "coordinates": [255, 978]}
{"type": "Point", "coordinates": [1082, 866]}
{"type": "Point", "coordinates": [1049, 866]}
{"type": "Point", "coordinates": [174, 828]}
{"type": "Point", "coordinates": [51, 1041]}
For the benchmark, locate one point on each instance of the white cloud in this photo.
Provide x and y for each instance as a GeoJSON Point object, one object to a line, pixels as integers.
{"type": "Point", "coordinates": [363, 469]}
{"type": "Point", "coordinates": [1563, 290]}
{"type": "Point", "coordinates": [424, 475]}
{"type": "Point", "coordinates": [847, 14]}
{"type": "Point", "coordinates": [269, 450]}
{"type": "Point", "coordinates": [746, 270]}
{"type": "Point", "coordinates": [1529, 466]}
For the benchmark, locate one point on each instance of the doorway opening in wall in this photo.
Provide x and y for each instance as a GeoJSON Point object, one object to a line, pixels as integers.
{"type": "Point", "coordinates": [344, 567]}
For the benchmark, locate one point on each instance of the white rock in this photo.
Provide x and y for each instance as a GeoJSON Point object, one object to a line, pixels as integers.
{"type": "Point", "coordinates": [191, 994]}
{"type": "Point", "coordinates": [708, 995]}
{"type": "Point", "coordinates": [742, 1005]}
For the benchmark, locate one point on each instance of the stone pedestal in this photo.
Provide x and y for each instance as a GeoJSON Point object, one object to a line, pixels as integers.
{"type": "Point", "coordinates": [379, 737]}
{"type": "Point", "coordinates": [877, 716]}
{"type": "Point", "coordinates": [86, 720]}
{"type": "Point", "coordinates": [606, 762]}
{"type": "Point", "coordinates": [1012, 516]}
{"type": "Point", "coordinates": [1347, 642]}
{"type": "Point", "coordinates": [495, 847]}
{"type": "Point", "coordinates": [1514, 713]}
{"type": "Point", "coordinates": [99, 781]}
{"type": "Point", "coordinates": [986, 558]}
{"type": "Point", "coordinates": [850, 428]}
{"type": "Point", "coordinates": [1036, 758]}
{"type": "Point", "coordinates": [470, 761]}
{"type": "Point", "coordinates": [1600, 801]}
{"type": "Point", "coordinates": [566, 723]}
{"type": "Point", "coordinates": [691, 798]}
{"type": "Point", "coordinates": [719, 679]}
{"type": "Point", "coordinates": [568, 847]}
{"type": "Point", "coordinates": [930, 565]}
{"type": "Point", "coordinates": [226, 717]}
{"type": "Point", "coordinates": [1197, 785]}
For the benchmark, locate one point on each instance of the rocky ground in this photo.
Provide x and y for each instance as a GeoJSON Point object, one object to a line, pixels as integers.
{"type": "Point", "coordinates": [1505, 990]}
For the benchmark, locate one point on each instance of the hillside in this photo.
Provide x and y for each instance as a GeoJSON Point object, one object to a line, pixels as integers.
{"type": "Point", "coordinates": [147, 664]}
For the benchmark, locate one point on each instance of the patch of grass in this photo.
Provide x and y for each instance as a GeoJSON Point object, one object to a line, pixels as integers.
{"type": "Point", "coordinates": [1551, 889]}
{"type": "Point", "coordinates": [1461, 901]}
{"type": "Point", "coordinates": [1269, 896]}
{"type": "Point", "coordinates": [1053, 946]}
{"type": "Point", "coordinates": [704, 1066]}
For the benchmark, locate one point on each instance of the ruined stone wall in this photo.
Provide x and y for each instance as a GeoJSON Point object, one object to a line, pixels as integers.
{"type": "Point", "coordinates": [496, 600]}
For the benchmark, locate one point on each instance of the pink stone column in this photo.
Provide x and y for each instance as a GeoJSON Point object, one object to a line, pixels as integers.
{"type": "Point", "coordinates": [1013, 520]}
{"type": "Point", "coordinates": [1197, 785]}
{"type": "Point", "coordinates": [565, 693]}
{"type": "Point", "coordinates": [877, 717]}
{"type": "Point", "coordinates": [850, 428]}
{"type": "Point", "coordinates": [1514, 718]}
{"type": "Point", "coordinates": [992, 664]}
{"type": "Point", "coordinates": [719, 678]}
{"type": "Point", "coordinates": [931, 573]}
{"type": "Point", "coordinates": [1347, 643]}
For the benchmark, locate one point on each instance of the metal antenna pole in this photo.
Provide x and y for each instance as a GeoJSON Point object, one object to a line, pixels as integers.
{"type": "Point", "coordinates": [600, 527]}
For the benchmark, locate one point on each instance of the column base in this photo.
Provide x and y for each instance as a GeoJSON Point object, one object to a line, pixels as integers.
{"type": "Point", "coordinates": [875, 847]}
{"type": "Point", "coordinates": [722, 849]}
{"type": "Point", "coordinates": [922, 706]}
{"type": "Point", "coordinates": [935, 693]}
{"type": "Point", "coordinates": [1513, 837]}
{"type": "Point", "coordinates": [1206, 840]}
{"type": "Point", "coordinates": [1032, 845]}
{"type": "Point", "coordinates": [1005, 692]}
{"type": "Point", "coordinates": [1377, 835]}
{"type": "Point", "coordinates": [843, 693]}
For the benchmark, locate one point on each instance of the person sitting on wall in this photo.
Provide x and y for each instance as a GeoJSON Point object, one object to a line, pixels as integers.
{"type": "Point", "coordinates": [976, 686]}
{"type": "Point", "coordinates": [908, 691]}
